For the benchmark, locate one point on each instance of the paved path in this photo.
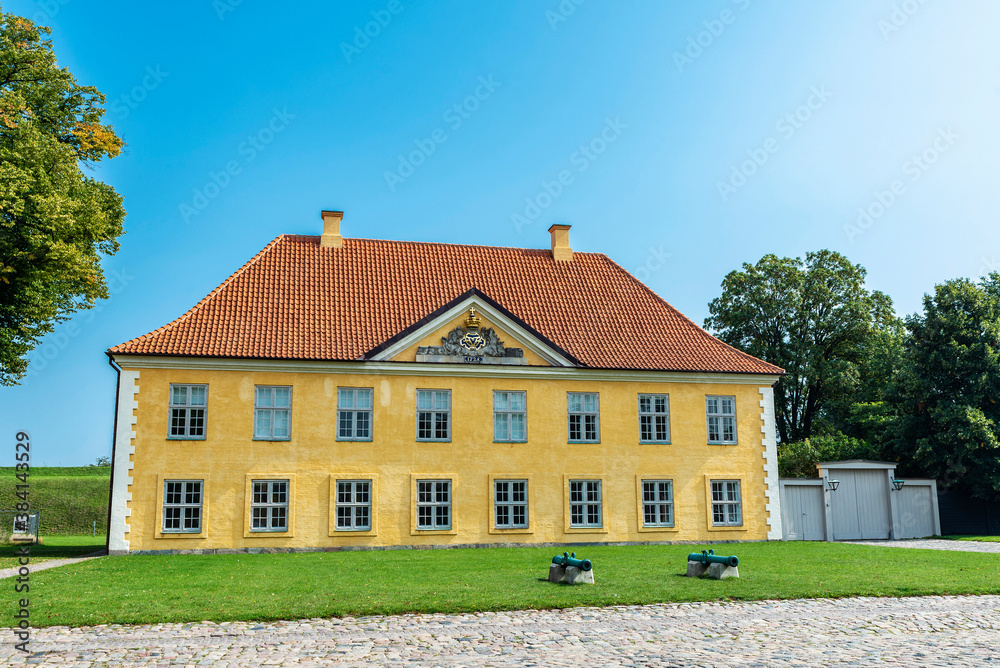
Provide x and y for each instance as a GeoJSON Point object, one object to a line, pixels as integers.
{"type": "Point", "coordinates": [935, 544]}
{"type": "Point", "coordinates": [42, 565]}
{"type": "Point", "coordinates": [926, 631]}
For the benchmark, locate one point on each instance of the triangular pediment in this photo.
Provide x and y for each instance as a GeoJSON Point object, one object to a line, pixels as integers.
{"type": "Point", "coordinates": [500, 338]}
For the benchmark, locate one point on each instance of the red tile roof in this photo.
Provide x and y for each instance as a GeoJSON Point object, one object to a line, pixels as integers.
{"type": "Point", "coordinates": [297, 300]}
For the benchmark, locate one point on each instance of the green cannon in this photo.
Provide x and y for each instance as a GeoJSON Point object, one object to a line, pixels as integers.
{"type": "Point", "coordinates": [710, 557]}
{"type": "Point", "coordinates": [571, 560]}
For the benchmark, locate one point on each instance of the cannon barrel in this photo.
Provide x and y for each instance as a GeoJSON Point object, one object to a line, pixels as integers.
{"type": "Point", "coordinates": [710, 557]}
{"type": "Point", "coordinates": [566, 560]}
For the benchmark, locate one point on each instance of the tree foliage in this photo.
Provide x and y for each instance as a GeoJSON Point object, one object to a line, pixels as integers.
{"type": "Point", "coordinates": [55, 221]}
{"type": "Point", "coordinates": [813, 318]}
{"type": "Point", "coordinates": [799, 459]}
{"type": "Point", "coordinates": [948, 395]}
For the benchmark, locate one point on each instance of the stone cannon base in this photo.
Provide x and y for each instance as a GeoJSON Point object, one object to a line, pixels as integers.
{"type": "Point", "coordinates": [570, 574]}
{"type": "Point", "coordinates": [697, 569]}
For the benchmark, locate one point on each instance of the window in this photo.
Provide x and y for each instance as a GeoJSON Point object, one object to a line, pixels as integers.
{"type": "Point", "coordinates": [434, 504]}
{"type": "Point", "coordinates": [657, 503]}
{"type": "Point", "coordinates": [726, 507]}
{"type": "Point", "coordinates": [272, 418]}
{"type": "Point", "coordinates": [583, 416]}
{"type": "Point", "coordinates": [269, 506]}
{"type": "Point", "coordinates": [182, 506]}
{"type": "Point", "coordinates": [433, 415]}
{"type": "Point", "coordinates": [354, 505]}
{"type": "Point", "coordinates": [654, 418]}
{"type": "Point", "coordinates": [354, 414]}
{"type": "Point", "coordinates": [585, 503]}
{"type": "Point", "coordinates": [721, 412]}
{"type": "Point", "coordinates": [509, 417]}
{"type": "Point", "coordinates": [187, 410]}
{"type": "Point", "coordinates": [510, 504]}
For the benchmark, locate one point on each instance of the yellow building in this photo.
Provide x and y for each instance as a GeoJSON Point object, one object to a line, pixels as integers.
{"type": "Point", "coordinates": [335, 393]}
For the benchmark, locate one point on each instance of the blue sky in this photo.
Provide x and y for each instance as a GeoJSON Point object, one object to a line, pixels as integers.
{"type": "Point", "coordinates": [691, 139]}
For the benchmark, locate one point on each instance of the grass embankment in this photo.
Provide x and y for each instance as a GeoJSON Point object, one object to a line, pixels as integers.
{"type": "Point", "coordinates": [986, 539]}
{"type": "Point", "coordinates": [153, 589]}
{"type": "Point", "coordinates": [55, 547]}
{"type": "Point", "coordinates": [69, 498]}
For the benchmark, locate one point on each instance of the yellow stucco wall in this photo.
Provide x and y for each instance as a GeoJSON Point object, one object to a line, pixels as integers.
{"type": "Point", "coordinates": [228, 457]}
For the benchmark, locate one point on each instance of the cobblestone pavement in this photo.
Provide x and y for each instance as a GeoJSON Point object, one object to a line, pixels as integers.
{"type": "Point", "coordinates": [926, 631]}
{"type": "Point", "coordinates": [935, 544]}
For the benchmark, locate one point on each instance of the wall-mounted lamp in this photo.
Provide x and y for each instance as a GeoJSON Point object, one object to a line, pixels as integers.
{"type": "Point", "coordinates": [898, 484]}
{"type": "Point", "coordinates": [832, 485]}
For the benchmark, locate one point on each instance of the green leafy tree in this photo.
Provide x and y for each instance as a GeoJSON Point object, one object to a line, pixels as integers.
{"type": "Point", "coordinates": [813, 318]}
{"type": "Point", "coordinates": [55, 221]}
{"type": "Point", "coordinates": [799, 459]}
{"type": "Point", "coordinates": [948, 396]}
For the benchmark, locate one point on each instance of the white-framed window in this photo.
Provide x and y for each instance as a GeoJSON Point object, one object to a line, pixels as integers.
{"type": "Point", "coordinates": [188, 404]}
{"type": "Point", "coordinates": [721, 413]}
{"type": "Point", "coordinates": [510, 417]}
{"type": "Point", "coordinates": [272, 415]}
{"type": "Point", "coordinates": [433, 415]}
{"type": "Point", "coordinates": [583, 412]}
{"type": "Point", "coordinates": [654, 418]}
{"type": "Point", "coordinates": [269, 505]}
{"type": "Point", "coordinates": [354, 413]}
{"type": "Point", "coordinates": [354, 505]}
{"type": "Point", "coordinates": [727, 509]}
{"type": "Point", "coordinates": [657, 503]}
{"type": "Point", "coordinates": [510, 504]}
{"type": "Point", "coordinates": [434, 504]}
{"type": "Point", "coordinates": [585, 503]}
{"type": "Point", "coordinates": [182, 502]}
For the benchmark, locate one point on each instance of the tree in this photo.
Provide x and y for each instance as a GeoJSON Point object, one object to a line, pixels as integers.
{"type": "Point", "coordinates": [55, 222]}
{"type": "Point", "coordinates": [815, 319]}
{"type": "Point", "coordinates": [948, 396]}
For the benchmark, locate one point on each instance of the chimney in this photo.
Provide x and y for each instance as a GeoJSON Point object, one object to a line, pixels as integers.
{"type": "Point", "coordinates": [331, 229]}
{"type": "Point", "coordinates": [561, 252]}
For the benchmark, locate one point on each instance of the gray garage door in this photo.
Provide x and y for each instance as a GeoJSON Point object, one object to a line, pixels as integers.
{"type": "Point", "coordinates": [916, 512]}
{"type": "Point", "coordinates": [860, 506]}
{"type": "Point", "coordinates": [802, 514]}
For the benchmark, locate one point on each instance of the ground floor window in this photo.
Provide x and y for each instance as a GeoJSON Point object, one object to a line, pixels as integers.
{"type": "Point", "coordinates": [510, 504]}
{"type": "Point", "coordinates": [269, 505]}
{"type": "Point", "coordinates": [657, 503]}
{"type": "Point", "coordinates": [585, 503]}
{"type": "Point", "coordinates": [182, 501]}
{"type": "Point", "coordinates": [434, 504]}
{"type": "Point", "coordinates": [354, 505]}
{"type": "Point", "coordinates": [727, 509]}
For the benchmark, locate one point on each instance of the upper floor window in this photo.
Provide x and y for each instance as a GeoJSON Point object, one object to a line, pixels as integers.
{"type": "Point", "coordinates": [654, 418]}
{"type": "Point", "coordinates": [509, 417]}
{"type": "Point", "coordinates": [433, 415]}
{"type": "Point", "coordinates": [354, 413]}
{"type": "Point", "coordinates": [583, 413]}
{"type": "Point", "coordinates": [721, 413]}
{"type": "Point", "coordinates": [182, 500]}
{"type": "Point", "coordinates": [272, 417]}
{"type": "Point", "coordinates": [188, 404]}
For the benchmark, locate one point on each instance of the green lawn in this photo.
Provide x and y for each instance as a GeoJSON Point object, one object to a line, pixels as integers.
{"type": "Point", "coordinates": [150, 589]}
{"type": "Point", "coordinates": [988, 539]}
{"type": "Point", "coordinates": [55, 547]}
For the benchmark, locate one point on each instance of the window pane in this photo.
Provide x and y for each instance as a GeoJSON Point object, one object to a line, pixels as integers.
{"type": "Point", "coordinates": [645, 403]}
{"type": "Point", "coordinates": [179, 394]}
{"type": "Point", "coordinates": [518, 428]}
{"type": "Point", "coordinates": [441, 400]}
{"type": "Point", "coordinates": [263, 396]}
{"type": "Point", "coordinates": [500, 401]}
{"type": "Point", "coordinates": [575, 403]}
{"type": "Point", "coordinates": [500, 431]}
{"type": "Point", "coordinates": [345, 398]}
{"type": "Point", "coordinates": [282, 427]}
{"type": "Point", "coordinates": [590, 403]}
{"type": "Point", "coordinates": [423, 399]}
{"type": "Point", "coordinates": [199, 394]}
{"type": "Point", "coordinates": [363, 428]}
{"type": "Point", "coordinates": [364, 398]}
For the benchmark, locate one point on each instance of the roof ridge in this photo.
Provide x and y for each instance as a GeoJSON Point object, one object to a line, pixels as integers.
{"type": "Point", "coordinates": [439, 243]}
{"type": "Point", "coordinates": [187, 314]}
